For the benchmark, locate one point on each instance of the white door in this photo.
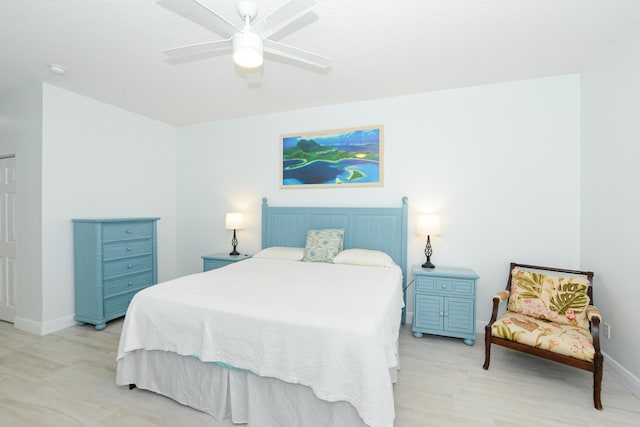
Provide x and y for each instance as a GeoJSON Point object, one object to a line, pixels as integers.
{"type": "Point", "coordinates": [7, 239]}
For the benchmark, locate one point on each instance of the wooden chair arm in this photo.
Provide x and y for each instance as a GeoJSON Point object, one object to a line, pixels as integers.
{"type": "Point", "coordinates": [594, 316]}
{"type": "Point", "coordinates": [593, 312]}
{"type": "Point", "coordinates": [502, 295]}
{"type": "Point", "coordinates": [497, 299]}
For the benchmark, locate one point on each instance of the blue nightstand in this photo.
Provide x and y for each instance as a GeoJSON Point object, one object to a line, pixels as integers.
{"type": "Point", "coordinates": [213, 261]}
{"type": "Point", "coordinates": [445, 302]}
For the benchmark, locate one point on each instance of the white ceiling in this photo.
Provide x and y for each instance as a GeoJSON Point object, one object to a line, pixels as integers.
{"type": "Point", "coordinates": [112, 50]}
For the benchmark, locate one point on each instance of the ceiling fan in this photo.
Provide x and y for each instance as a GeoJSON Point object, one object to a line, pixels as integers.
{"type": "Point", "coordinates": [249, 42]}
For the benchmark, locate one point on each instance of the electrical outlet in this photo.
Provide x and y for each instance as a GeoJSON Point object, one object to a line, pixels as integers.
{"type": "Point", "coordinates": [607, 329]}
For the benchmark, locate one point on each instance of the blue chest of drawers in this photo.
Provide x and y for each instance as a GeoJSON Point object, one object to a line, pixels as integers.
{"type": "Point", "coordinates": [113, 259]}
{"type": "Point", "coordinates": [445, 302]}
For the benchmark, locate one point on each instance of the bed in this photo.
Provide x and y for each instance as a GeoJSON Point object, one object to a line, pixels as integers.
{"type": "Point", "coordinates": [274, 341]}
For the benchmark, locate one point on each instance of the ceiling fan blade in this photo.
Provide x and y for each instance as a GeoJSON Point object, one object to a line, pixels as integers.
{"type": "Point", "coordinates": [197, 12]}
{"type": "Point", "coordinates": [199, 48]}
{"type": "Point", "coordinates": [296, 54]}
{"type": "Point", "coordinates": [283, 16]}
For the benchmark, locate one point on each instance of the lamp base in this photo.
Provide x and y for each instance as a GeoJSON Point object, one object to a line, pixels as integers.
{"type": "Point", "coordinates": [234, 243]}
{"type": "Point", "coordinates": [428, 251]}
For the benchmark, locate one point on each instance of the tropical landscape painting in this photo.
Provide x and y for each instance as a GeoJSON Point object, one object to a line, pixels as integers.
{"type": "Point", "coordinates": [341, 157]}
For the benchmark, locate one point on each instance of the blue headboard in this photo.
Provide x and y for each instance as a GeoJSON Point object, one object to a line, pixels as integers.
{"type": "Point", "coordinates": [383, 229]}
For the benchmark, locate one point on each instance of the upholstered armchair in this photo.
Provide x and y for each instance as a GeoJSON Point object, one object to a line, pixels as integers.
{"type": "Point", "coordinates": [550, 314]}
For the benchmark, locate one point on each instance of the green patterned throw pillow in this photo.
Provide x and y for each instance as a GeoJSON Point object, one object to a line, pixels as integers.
{"type": "Point", "coordinates": [323, 245]}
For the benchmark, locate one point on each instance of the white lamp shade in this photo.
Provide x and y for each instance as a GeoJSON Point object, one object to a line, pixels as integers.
{"type": "Point", "coordinates": [428, 225]}
{"type": "Point", "coordinates": [234, 221]}
{"type": "Point", "coordinates": [247, 49]}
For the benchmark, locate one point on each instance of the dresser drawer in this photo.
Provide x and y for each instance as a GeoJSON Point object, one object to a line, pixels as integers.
{"type": "Point", "coordinates": [117, 305]}
{"type": "Point", "coordinates": [131, 248]}
{"type": "Point", "coordinates": [217, 260]}
{"type": "Point", "coordinates": [127, 266]}
{"type": "Point", "coordinates": [128, 283]}
{"type": "Point", "coordinates": [126, 230]}
{"type": "Point", "coordinates": [210, 264]}
{"type": "Point", "coordinates": [445, 286]}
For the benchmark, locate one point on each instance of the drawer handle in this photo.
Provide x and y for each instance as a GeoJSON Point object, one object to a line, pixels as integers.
{"type": "Point", "coordinates": [444, 286]}
{"type": "Point", "coordinates": [129, 266]}
{"type": "Point", "coordinates": [129, 231]}
{"type": "Point", "coordinates": [130, 283]}
{"type": "Point", "coordinates": [446, 314]}
{"type": "Point", "coordinates": [441, 313]}
{"type": "Point", "coordinates": [129, 249]}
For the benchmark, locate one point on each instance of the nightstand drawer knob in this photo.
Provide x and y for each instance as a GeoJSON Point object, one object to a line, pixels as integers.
{"type": "Point", "coordinates": [441, 313]}
{"type": "Point", "coordinates": [129, 231]}
{"type": "Point", "coordinates": [130, 283]}
{"type": "Point", "coordinates": [129, 266]}
{"type": "Point", "coordinates": [444, 286]}
{"type": "Point", "coordinates": [129, 249]}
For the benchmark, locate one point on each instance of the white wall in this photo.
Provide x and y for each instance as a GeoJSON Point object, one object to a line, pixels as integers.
{"type": "Point", "coordinates": [98, 161]}
{"type": "Point", "coordinates": [77, 157]}
{"type": "Point", "coordinates": [21, 134]}
{"type": "Point", "coordinates": [610, 195]}
{"type": "Point", "coordinates": [500, 163]}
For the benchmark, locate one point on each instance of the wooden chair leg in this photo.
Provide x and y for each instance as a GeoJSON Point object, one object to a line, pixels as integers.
{"type": "Point", "coordinates": [597, 381]}
{"type": "Point", "coordinates": [487, 348]}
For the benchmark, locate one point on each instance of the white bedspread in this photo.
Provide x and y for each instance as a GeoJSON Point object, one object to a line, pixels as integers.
{"type": "Point", "coordinates": [331, 327]}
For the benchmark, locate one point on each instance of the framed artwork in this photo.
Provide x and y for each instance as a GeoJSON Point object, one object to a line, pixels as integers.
{"type": "Point", "coordinates": [333, 158]}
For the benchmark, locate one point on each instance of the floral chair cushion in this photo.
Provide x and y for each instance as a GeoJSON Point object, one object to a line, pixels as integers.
{"type": "Point", "coordinates": [568, 340]}
{"type": "Point", "coordinates": [562, 300]}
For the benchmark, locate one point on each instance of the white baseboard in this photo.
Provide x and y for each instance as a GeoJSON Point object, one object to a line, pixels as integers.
{"type": "Point", "coordinates": [40, 328]}
{"type": "Point", "coordinates": [622, 374]}
{"type": "Point", "coordinates": [28, 325]}
{"type": "Point", "coordinates": [610, 365]}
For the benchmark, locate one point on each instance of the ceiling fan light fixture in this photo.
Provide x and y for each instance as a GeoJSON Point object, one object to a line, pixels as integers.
{"type": "Point", "coordinates": [247, 49]}
{"type": "Point", "coordinates": [249, 43]}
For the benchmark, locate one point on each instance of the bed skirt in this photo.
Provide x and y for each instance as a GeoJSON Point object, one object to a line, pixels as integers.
{"type": "Point", "coordinates": [242, 396]}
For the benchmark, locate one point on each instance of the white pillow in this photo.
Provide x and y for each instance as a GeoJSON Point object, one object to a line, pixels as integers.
{"type": "Point", "coordinates": [281, 252]}
{"type": "Point", "coordinates": [364, 257]}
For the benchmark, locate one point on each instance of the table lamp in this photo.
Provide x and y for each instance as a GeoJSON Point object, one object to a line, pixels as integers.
{"type": "Point", "coordinates": [234, 221]}
{"type": "Point", "coordinates": [428, 225]}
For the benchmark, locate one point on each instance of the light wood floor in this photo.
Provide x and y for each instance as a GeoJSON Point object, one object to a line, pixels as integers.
{"type": "Point", "coordinates": [68, 379]}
